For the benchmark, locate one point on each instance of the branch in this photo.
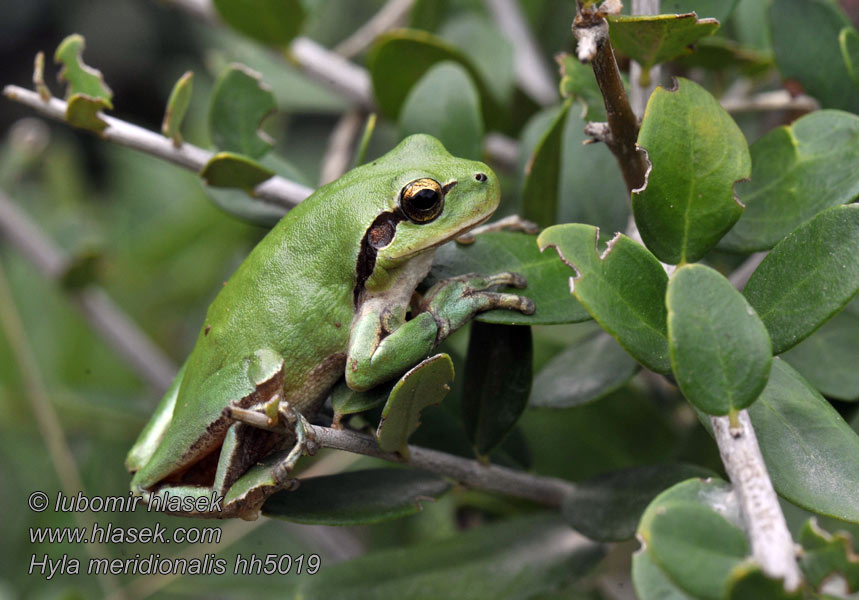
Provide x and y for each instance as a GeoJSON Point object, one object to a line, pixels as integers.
{"type": "Point", "coordinates": [591, 31]}
{"type": "Point", "coordinates": [772, 545]}
{"type": "Point", "coordinates": [338, 154]}
{"type": "Point", "coordinates": [391, 15]}
{"type": "Point", "coordinates": [117, 329]}
{"type": "Point", "coordinates": [548, 491]}
{"type": "Point", "coordinates": [530, 67]}
{"type": "Point", "coordinates": [766, 101]}
{"type": "Point", "coordinates": [275, 190]}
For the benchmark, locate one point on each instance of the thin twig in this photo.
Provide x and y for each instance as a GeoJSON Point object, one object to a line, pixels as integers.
{"type": "Point", "coordinates": [502, 150]}
{"type": "Point", "coordinates": [530, 66]}
{"type": "Point", "coordinates": [392, 14]}
{"type": "Point", "coordinates": [132, 344]}
{"type": "Point", "coordinates": [548, 491]}
{"type": "Point", "coordinates": [740, 276]}
{"type": "Point", "coordinates": [338, 156]}
{"type": "Point", "coordinates": [338, 74]}
{"type": "Point", "coordinates": [275, 190]}
{"type": "Point", "coordinates": [48, 422]}
{"type": "Point", "coordinates": [772, 545]}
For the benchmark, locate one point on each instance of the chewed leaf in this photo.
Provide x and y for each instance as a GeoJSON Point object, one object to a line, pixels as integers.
{"type": "Point", "coordinates": [240, 101]}
{"type": "Point", "coordinates": [655, 39]}
{"type": "Point", "coordinates": [622, 287]}
{"type": "Point", "coordinates": [81, 79]}
{"type": "Point", "coordinates": [229, 170]}
{"type": "Point", "coordinates": [177, 105]}
{"type": "Point", "coordinates": [425, 385]}
{"type": "Point", "coordinates": [83, 111]}
{"type": "Point", "coordinates": [824, 554]}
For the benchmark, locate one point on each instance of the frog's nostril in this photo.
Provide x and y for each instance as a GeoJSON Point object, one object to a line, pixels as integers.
{"type": "Point", "coordinates": [480, 177]}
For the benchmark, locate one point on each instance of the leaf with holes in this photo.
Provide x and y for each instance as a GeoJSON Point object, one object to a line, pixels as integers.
{"type": "Point", "coordinates": [240, 102]}
{"type": "Point", "coordinates": [623, 288]}
{"type": "Point", "coordinates": [81, 78]}
{"type": "Point", "coordinates": [696, 154]}
{"type": "Point", "coordinates": [798, 170]}
{"type": "Point", "coordinates": [424, 385]}
{"type": "Point", "coordinates": [808, 277]}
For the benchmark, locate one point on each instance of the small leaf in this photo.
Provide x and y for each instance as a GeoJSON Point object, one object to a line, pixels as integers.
{"type": "Point", "coordinates": [812, 455]}
{"type": "Point", "coordinates": [720, 350]}
{"type": "Point", "coordinates": [813, 26]}
{"type": "Point", "coordinates": [346, 401]}
{"type": "Point", "coordinates": [81, 78]}
{"type": "Point", "coordinates": [424, 385]}
{"type": "Point", "coordinates": [578, 81]}
{"type": "Point", "coordinates": [608, 507]}
{"type": "Point", "coordinates": [446, 105]}
{"type": "Point", "coordinates": [177, 106]}
{"type": "Point", "coordinates": [697, 153]}
{"type": "Point", "coordinates": [824, 555]}
{"type": "Point", "coordinates": [240, 101]}
{"type": "Point", "coordinates": [623, 288]}
{"type": "Point", "coordinates": [39, 77]}
{"type": "Point", "coordinates": [543, 172]}
{"type": "Point", "coordinates": [797, 171]}
{"type": "Point", "coordinates": [848, 42]}
{"type": "Point", "coordinates": [748, 582]}
{"type": "Point", "coordinates": [655, 39]}
{"type": "Point", "coordinates": [399, 59]}
{"type": "Point", "coordinates": [510, 251]}
{"type": "Point", "coordinates": [84, 112]}
{"type": "Point", "coordinates": [357, 497]}
{"type": "Point", "coordinates": [583, 373]}
{"type": "Point", "coordinates": [497, 382]}
{"type": "Point", "coordinates": [273, 22]}
{"type": "Point", "coordinates": [651, 582]}
{"type": "Point", "coordinates": [514, 559]}
{"type": "Point", "coordinates": [828, 358]}
{"type": "Point", "coordinates": [229, 170]}
{"type": "Point", "coordinates": [808, 277]}
{"type": "Point", "coordinates": [693, 534]}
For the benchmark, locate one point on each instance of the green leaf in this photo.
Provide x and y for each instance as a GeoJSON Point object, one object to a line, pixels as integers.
{"type": "Point", "coordinates": [797, 171]}
{"type": "Point", "coordinates": [424, 385]}
{"type": "Point", "coordinates": [719, 54]}
{"type": "Point", "coordinates": [357, 497]}
{"type": "Point", "coordinates": [510, 251]}
{"type": "Point", "coordinates": [813, 26]}
{"type": "Point", "coordinates": [81, 79]}
{"type": "Point", "coordinates": [848, 42]}
{"type": "Point", "coordinates": [828, 358]}
{"type": "Point", "coordinates": [82, 269]}
{"type": "Point", "coordinates": [720, 350]}
{"type": "Point", "coordinates": [497, 382]}
{"type": "Point", "coordinates": [83, 111]}
{"type": "Point", "coordinates": [692, 532]}
{"type": "Point", "coordinates": [446, 105]}
{"type": "Point", "coordinates": [229, 170]}
{"type": "Point", "coordinates": [812, 455]}
{"type": "Point", "coordinates": [714, 9]}
{"type": "Point", "coordinates": [514, 559]}
{"type": "Point", "coordinates": [622, 287]}
{"type": "Point", "coordinates": [240, 101]}
{"type": "Point", "coordinates": [488, 48]}
{"type": "Point", "coordinates": [273, 22]}
{"type": "Point", "coordinates": [346, 401]}
{"type": "Point", "coordinates": [651, 582]}
{"type": "Point", "coordinates": [399, 59]}
{"type": "Point", "coordinates": [824, 555]}
{"type": "Point", "coordinates": [608, 507]}
{"type": "Point", "coordinates": [655, 39]}
{"type": "Point", "coordinates": [583, 373]}
{"type": "Point", "coordinates": [696, 153]}
{"type": "Point", "coordinates": [363, 144]}
{"type": "Point", "coordinates": [177, 106]}
{"type": "Point", "coordinates": [748, 582]}
{"type": "Point", "coordinates": [808, 277]}
{"type": "Point", "coordinates": [543, 172]}
{"type": "Point", "coordinates": [578, 81]}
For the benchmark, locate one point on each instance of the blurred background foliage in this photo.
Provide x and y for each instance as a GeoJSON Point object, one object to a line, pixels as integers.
{"type": "Point", "coordinates": [164, 248]}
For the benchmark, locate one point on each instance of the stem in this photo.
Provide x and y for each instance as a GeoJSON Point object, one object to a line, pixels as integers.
{"type": "Point", "coordinates": [548, 491]}
{"type": "Point", "coordinates": [591, 29]}
{"type": "Point", "coordinates": [275, 190]}
{"type": "Point", "coordinates": [772, 545]}
{"type": "Point", "coordinates": [120, 332]}
{"type": "Point", "coordinates": [338, 155]}
{"type": "Point", "coordinates": [392, 14]}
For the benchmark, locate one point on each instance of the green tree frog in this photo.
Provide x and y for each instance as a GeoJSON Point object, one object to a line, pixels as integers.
{"type": "Point", "coordinates": [326, 293]}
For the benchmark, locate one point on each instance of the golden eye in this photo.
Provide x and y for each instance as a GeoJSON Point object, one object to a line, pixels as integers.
{"type": "Point", "coordinates": [422, 200]}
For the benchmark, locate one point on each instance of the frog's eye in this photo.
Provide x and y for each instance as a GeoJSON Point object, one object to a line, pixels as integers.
{"type": "Point", "coordinates": [422, 200]}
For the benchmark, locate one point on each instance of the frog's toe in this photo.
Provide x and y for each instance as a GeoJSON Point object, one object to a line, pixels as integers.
{"type": "Point", "coordinates": [511, 302]}
{"type": "Point", "coordinates": [506, 278]}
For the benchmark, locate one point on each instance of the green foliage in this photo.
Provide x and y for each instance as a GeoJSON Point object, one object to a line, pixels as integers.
{"type": "Point", "coordinates": [273, 22]}
{"type": "Point", "coordinates": [177, 106]}
{"type": "Point", "coordinates": [240, 101]}
{"type": "Point", "coordinates": [540, 187]}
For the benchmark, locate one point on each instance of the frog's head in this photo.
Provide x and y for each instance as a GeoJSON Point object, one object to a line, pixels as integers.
{"type": "Point", "coordinates": [435, 197]}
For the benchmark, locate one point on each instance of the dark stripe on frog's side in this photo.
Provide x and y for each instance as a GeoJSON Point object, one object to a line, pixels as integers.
{"type": "Point", "coordinates": [378, 235]}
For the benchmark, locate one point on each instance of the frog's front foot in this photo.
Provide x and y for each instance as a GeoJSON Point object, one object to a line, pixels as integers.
{"type": "Point", "coordinates": [305, 445]}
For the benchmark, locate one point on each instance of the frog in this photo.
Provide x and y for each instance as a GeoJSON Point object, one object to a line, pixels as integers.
{"type": "Point", "coordinates": [328, 293]}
